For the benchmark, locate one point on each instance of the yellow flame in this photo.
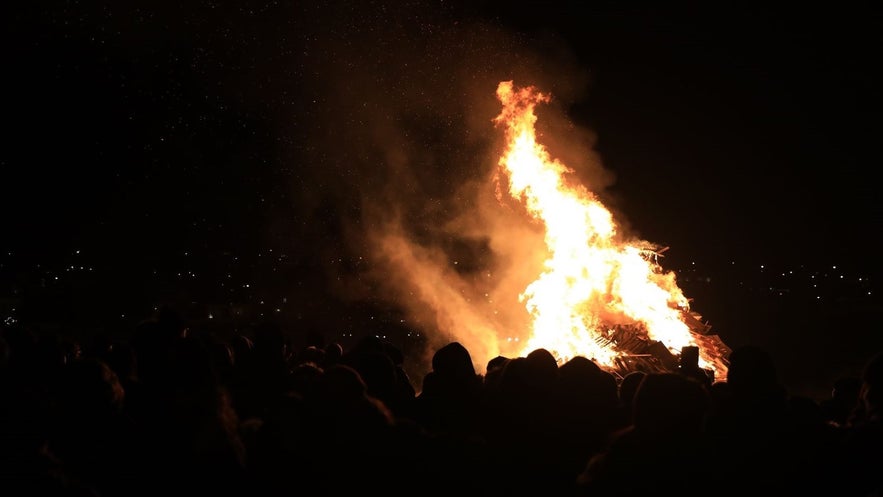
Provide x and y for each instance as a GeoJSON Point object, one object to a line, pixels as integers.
{"type": "Point", "coordinates": [591, 280]}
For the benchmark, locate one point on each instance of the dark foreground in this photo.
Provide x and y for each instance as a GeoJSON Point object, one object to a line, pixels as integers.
{"type": "Point", "coordinates": [177, 412]}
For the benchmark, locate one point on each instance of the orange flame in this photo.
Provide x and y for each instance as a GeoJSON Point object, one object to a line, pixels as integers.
{"type": "Point", "coordinates": [592, 281]}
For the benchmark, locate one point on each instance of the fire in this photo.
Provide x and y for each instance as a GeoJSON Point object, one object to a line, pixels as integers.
{"type": "Point", "coordinates": [593, 280]}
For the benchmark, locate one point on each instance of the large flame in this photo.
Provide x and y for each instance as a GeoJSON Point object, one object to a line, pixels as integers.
{"type": "Point", "coordinates": [592, 280]}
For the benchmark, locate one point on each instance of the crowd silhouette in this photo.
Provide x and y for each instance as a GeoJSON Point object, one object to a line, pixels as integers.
{"type": "Point", "coordinates": [177, 411]}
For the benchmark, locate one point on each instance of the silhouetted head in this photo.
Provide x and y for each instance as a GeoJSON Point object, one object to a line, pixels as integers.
{"type": "Point", "coordinates": [453, 362]}
{"type": "Point", "coordinates": [345, 407]}
{"type": "Point", "coordinates": [544, 366]}
{"type": "Point", "coordinates": [496, 363]}
{"type": "Point", "coordinates": [629, 386]}
{"type": "Point", "coordinates": [578, 366]}
{"type": "Point", "coordinates": [378, 372]}
{"type": "Point", "coordinates": [333, 353]}
{"type": "Point", "coordinates": [242, 347]}
{"type": "Point", "coordinates": [312, 355]}
{"type": "Point", "coordinates": [171, 322]}
{"type": "Point", "coordinates": [668, 405]}
{"type": "Point", "coordinates": [582, 380]}
{"type": "Point", "coordinates": [304, 379]}
{"type": "Point", "coordinates": [494, 371]}
{"type": "Point", "coordinates": [543, 358]}
{"type": "Point", "coordinates": [91, 390]}
{"type": "Point", "coordinates": [341, 382]}
{"type": "Point", "coordinates": [515, 378]}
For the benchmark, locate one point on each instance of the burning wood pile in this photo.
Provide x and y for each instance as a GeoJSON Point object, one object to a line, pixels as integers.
{"type": "Point", "coordinates": [636, 352]}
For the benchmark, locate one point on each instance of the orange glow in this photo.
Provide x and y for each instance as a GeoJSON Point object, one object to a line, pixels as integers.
{"type": "Point", "coordinates": [592, 279]}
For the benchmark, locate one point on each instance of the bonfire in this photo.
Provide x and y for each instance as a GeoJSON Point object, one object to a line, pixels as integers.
{"type": "Point", "coordinates": [600, 295]}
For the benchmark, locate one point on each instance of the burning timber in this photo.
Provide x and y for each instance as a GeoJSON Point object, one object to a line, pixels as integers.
{"type": "Point", "coordinates": [637, 352]}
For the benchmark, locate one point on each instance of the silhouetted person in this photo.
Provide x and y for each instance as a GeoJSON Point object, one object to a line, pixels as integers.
{"type": "Point", "coordinates": [493, 372]}
{"type": "Point", "coordinates": [520, 421]}
{"type": "Point", "coordinates": [28, 467]}
{"type": "Point", "coordinates": [353, 433]}
{"type": "Point", "coordinates": [333, 353]}
{"type": "Point", "coordinates": [760, 434]}
{"type": "Point", "coordinates": [861, 455]}
{"type": "Point", "coordinates": [379, 364]}
{"type": "Point", "coordinates": [262, 370]}
{"type": "Point", "coordinates": [94, 437]}
{"type": "Point", "coordinates": [663, 450]}
{"type": "Point", "coordinates": [310, 354]}
{"type": "Point", "coordinates": [191, 441]}
{"type": "Point", "coordinates": [587, 405]}
{"type": "Point", "coordinates": [845, 397]}
{"type": "Point", "coordinates": [628, 386]}
{"type": "Point", "coordinates": [450, 400]}
{"type": "Point", "coordinates": [282, 458]}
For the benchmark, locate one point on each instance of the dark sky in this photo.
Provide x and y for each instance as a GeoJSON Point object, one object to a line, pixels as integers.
{"type": "Point", "coordinates": [179, 146]}
{"type": "Point", "coordinates": [750, 128]}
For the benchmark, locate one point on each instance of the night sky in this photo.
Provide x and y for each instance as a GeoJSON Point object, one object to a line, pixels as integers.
{"type": "Point", "coordinates": [237, 158]}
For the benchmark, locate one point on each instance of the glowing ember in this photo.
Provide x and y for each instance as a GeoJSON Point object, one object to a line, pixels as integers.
{"type": "Point", "coordinates": [593, 281]}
